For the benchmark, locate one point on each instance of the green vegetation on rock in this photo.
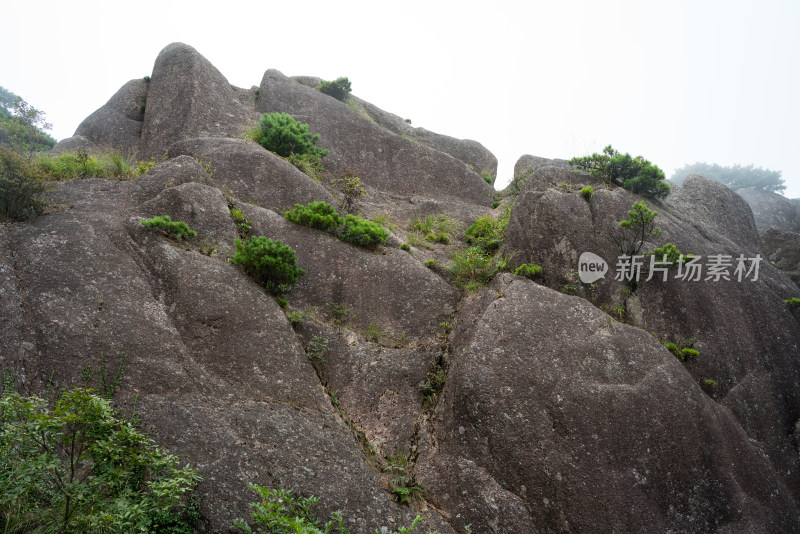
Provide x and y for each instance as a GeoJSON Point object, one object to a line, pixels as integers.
{"type": "Point", "coordinates": [177, 229]}
{"type": "Point", "coordinates": [22, 188]}
{"type": "Point", "coordinates": [634, 174]}
{"type": "Point", "coordinates": [271, 262]}
{"type": "Point", "coordinates": [363, 232]}
{"type": "Point", "coordinates": [320, 215]}
{"type": "Point", "coordinates": [82, 467]}
{"type": "Point", "coordinates": [282, 134]}
{"type": "Point", "coordinates": [338, 88]}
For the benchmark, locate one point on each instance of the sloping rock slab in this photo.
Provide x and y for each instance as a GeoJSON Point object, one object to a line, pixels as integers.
{"type": "Point", "coordinates": [386, 161]}
{"type": "Point", "coordinates": [555, 418]}
{"type": "Point", "coordinates": [389, 288]}
{"type": "Point", "coordinates": [783, 249]}
{"type": "Point", "coordinates": [772, 210]}
{"type": "Point", "coordinates": [252, 173]}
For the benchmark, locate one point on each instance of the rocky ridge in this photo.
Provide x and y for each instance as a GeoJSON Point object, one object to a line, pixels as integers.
{"type": "Point", "coordinates": [553, 416]}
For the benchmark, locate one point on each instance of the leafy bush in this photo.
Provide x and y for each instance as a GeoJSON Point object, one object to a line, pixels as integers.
{"type": "Point", "coordinates": [635, 174]}
{"type": "Point", "coordinates": [529, 271]}
{"type": "Point", "coordinates": [338, 88]}
{"type": "Point", "coordinates": [683, 349]}
{"type": "Point", "coordinates": [22, 188]}
{"type": "Point", "coordinates": [280, 511]}
{"type": "Point", "coordinates": [689, 353]}
{"type": "Point", "coordinates": [243, 224]}
{"type": "Point", "coordinates": [587, 193]}
{"type": "Point", "coordinates": [282, 134]}
{"type": "Point", "coordinates": [320, 215]}
{"type": "Point", "coordinates": [271, 262]}
{"type": "Point", "coordinates": [405, 247]}
{"type": "Point", "coordinates": [82, 468]}
{"type": "Point", "coordinates": [349, 185]}
{"type": "Point", "coordinates": [363, 232]}
{"type": "Point", "coordinates": [178, 229]}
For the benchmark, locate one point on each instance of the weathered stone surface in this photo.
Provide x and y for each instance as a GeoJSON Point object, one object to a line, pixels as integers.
{"type": "Point", "coordinates": [188, 97]}
{"type": "Point", "coordinates": [552, 228]}
{"type": "Point", "coordinates": [556, 418]}
{"type": "Point", "coordinates": [252, 173]}
{"type": "Point", "coordinates": [465, 150]}
{"type": "Point", "coordinates": [386, 288]}
{"type": "Point", "coordinates": [772, 210]}
{"type": "Point", "coordinates": [544, 173]}
{"type": "Point", "coordinates": [783, 250]}
{"type": "Point", "coordinates": [118, 124]}
{"type": "Point", "coordinates": [72, 144]}
{"type": "Point", "coordinates": [386, 161]}
{"type": "Point", "coordinates": [177, 171]}
{"type": "Point", "coordinates": [377, 383]}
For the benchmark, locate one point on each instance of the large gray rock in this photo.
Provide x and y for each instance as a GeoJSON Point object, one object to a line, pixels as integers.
{"type": "Point", "coordinates": [385, 160]}
{"type": "Point", "coordinates": [73, 144]}
{"type": "Point", "coordinates": [747, 319]}
{"type": "Point", "coordinates": [251, 173]}
{"type": "Point", "coordinates": [188, 97]}
{"type": "Point", "coordinates": [545, 172]}
{"type": "Point", "coordinates": [556, 418]}
{"type": "Point", "coordinates": [118, 124]}
{"type": "Point", "coordinates": [386, 288]}
{"type": "Point", "coordinates": [772, 210]}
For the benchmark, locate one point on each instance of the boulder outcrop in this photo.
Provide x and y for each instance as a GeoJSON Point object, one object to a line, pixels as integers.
{"type": "Point", "coordinates": [772, 210]}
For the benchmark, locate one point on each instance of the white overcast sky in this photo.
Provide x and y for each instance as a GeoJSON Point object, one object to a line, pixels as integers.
{"type": "Point", "coordinates": [673, 81]}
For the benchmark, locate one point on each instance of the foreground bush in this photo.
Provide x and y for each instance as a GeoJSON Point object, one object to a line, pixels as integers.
{"type": "Point", "coordinates": [22, 188]}
{"type": "Point", "coordinates": [271, 262]}
{"type": "Point", "coordinates": [282, 134]}
{"type": "Point", "coordinates": [488, 233]}
{"type": "Point", "coordinates": [83, 468]}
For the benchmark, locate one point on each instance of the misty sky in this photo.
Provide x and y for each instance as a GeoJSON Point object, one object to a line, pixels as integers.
{"type": "Point", "coordinates": [675, 82]}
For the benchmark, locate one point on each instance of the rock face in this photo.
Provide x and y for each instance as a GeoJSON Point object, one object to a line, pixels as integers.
{"type": "Point", "coordinates": [772, 210]}
{"type": "Point", "coordinates": [556, 418]}
{"type": "Point", "coordinates": [518, 408]}
{"type": "Point", "coordinates": [385, 160]}
{"type": "Point", "coordinates": [783, 250]}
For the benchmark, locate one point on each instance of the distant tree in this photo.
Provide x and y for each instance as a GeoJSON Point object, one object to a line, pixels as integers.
{"type": "Point", "coordinates": [338, 88]}
{"type": "Point", "coordinates": [635, 174]}
{"type": "Point", "coordinates": [7, 98]}
{"type": "Point", "coordinates": [735, 177]}
{"type": "Point", "coordinates": [22, 125]}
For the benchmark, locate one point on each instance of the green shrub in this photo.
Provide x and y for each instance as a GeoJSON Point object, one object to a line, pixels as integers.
{"type": "Point", "coordinates": [487, 233]}
{"type": "Point", "coordinates": [587, 193]}
{"type": "Point", "coordinates": [528, 271]}
{"type": "Point", "coordinates": [689, 353]}
{"type": "Point", "coordinates": [83, 468]}
{"type": "Point", "coordinates": [710, 383]}
{"type": "Point", "coordinates": [22, 188]}
{"type": "Point", "coordinates": [636, 229]}
{"type": "Point", "coordinates": [495, 204]}
{"type": "Point", "coordinates": [271, 262]}
{"type": "Point", "coordinates": [177, 229]}
{"type": "Point", "coordinates": [435, 224]}
{"type": "Point", "coordinates": [673, 348]}
{"type": "Point", "coordinates": [309, 164]}
{"type": "Point", "coordinates": [473, 267]}
{"type": "Point", "coordinates": [487, 177]}
{"type": "Point", "coordinates": [281, 134]}
{"type": "Point", "coordinates": [363, 232]}
{"type": "Point", "coordinates": [429, 263]}
{"type": "Point", "coordinates": [349, 185]}
{"type": "Point", "coordinates": [338, 88]}
{"type": "Point", "coordinates": [793, 302]}
{"type": "Point", "coordinates": [635, 174]}
{"type": "Point", "coordinates": [243, 224]}
{"type": "Point", "coordinates": [405, 247]}
{"type": "Point", "coordinates": [319, 214]}
{"type": "Point", "coordinates": [673, 255]}
{"type": "Point", "coordinates": [403, 486]}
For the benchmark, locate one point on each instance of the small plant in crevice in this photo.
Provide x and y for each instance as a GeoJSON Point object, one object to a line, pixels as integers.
{"type": "Point", "coordinates": [386, 337]}
{"type": "Point", "coordinates": [683, 348]}
{"type": "Point", "coordinates": [298, 317]}
{"type": "Point", "coordinates": [317, 348]}
{"type": "Point", "coordinates": [574, 286]}
{"type": "Point", "coordinates": [487, 233]}
{"type": "Point", "coordinates": [587, 193]}
{"type": "Point", "coordinates": [495, 204]}
{"type": "Point", "coordinates": [434, 381]}
{"type": "Point", "coordinates": [669, 255]}
{"type": "Point", "coordinates": [177, 229]}
{"type": "Point", "coordinates": [402, 484]}
{"type": "Point", "coordinates": [107, 385]}
{"type": "Point", "coordinates": [243, 224]}
{"type": "Point", "coordinates": [271, 263]}
{"type": "Point", "coordinates": [487, 178]}
{"type": "Point", "coordinates": [406, 247]}
{"type": "Point", "coordinates": [279, 510]}
{"type": "Point", "coordinates": [793, 303]}
{"type": "Point", "coordinates": [533, 272]}
{"type": "Point", "coordinates": [348, 183]}
{"type": "Point", "coordinates": [433, 229]}
{"type": "Point", "coordinates": [341, 315]}
{"type": "Point", "coordinates": [473, 268]}
{"type": "Point", "coordinates": [308, 164]}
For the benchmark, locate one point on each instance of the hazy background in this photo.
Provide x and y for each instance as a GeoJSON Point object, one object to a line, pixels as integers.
{"type": "Point", "coordinates": [675, 82]}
